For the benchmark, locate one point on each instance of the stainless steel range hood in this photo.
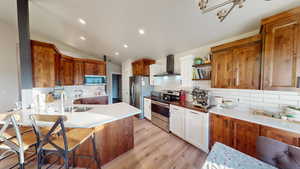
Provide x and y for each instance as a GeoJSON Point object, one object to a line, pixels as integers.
{"type": "Point", "coordinates": [170, 68]}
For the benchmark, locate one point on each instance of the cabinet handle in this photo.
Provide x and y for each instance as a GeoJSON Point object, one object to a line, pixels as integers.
{"type": "Point", "coordinates": [193, 112]}
{"type": "Point", "coordinates": [298, 82]}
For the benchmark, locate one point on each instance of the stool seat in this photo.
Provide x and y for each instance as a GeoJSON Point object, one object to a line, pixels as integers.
{"type": "Point", "coordinates": [75, 137]}
{"type": "Point", "coordinates": [29, 139]}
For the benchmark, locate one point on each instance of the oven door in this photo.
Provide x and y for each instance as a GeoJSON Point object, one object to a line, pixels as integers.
{"type": "Point", "coordinates": [160, 108]}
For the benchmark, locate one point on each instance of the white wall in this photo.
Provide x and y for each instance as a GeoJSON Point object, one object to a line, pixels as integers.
{"type": "Point", "coordinates": [9, 88]}
{"type": "Point", "coordinates": [112, 69]}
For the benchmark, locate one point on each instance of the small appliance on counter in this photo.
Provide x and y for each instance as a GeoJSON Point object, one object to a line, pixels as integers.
{"type": "Point", "coordinates": [200, 98]}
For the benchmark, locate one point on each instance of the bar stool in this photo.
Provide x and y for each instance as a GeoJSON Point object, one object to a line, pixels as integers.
{"type": "Point", "coordinates": [16, 139]}
{"type": "Point", "coordinates": [63, 143]}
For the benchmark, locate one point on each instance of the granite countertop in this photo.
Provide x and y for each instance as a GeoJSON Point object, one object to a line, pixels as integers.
{"type": "Point", "coordinates": [97, 116]}
{"type": "Point", "coordinates": [224, 157]}
{"type": "Point", "coordinates": [246, 115]}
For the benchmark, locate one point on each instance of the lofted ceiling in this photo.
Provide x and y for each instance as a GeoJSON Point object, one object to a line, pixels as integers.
{"type": "Point", "coordinates": [171, 26]}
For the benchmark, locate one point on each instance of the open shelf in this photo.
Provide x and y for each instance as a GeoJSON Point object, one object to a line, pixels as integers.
{"type": "Point", "coordinates": [202, 65]}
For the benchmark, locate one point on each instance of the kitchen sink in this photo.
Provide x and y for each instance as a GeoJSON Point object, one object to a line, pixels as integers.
{"type": "Point", "coordinates": [77, 109]}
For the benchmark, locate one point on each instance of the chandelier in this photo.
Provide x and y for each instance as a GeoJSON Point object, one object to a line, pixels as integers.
{"type": "Point", "coordinates": [223, 13]}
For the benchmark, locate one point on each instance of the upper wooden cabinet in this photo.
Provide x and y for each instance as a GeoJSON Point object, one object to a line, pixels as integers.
{"type": "Point", "coordinates": [45, 64]}
{"type": "Point", "coordinates": [93, 67]}
{"type": "Point", "coordinates": [67, 71]}
{"type": "Point", "coordinates": [142, 67]}
{"type": "Point", "coordinates": [78, 72]}
{"type": "Point", "coordinates": [237, 64]}
{"type": "Point", "coordinates": [50, 68]}
{"type": "Point", "coordinates": [281, 55]}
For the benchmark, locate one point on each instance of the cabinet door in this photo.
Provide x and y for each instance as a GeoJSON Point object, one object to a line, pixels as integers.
{"type": "Point", "coordinates": [220, 130]}
{"type": "Point", "coordinates": [246, 66]}
{"type": "Point", "coordinates": [90, 68]}
{"type": "Point", "coordinates": [102, 69]}
{"type": "Point", "coordinates": [222, 75]}
{"type": "Point", "coordinates": [280, 135]}
{"type": "Point", "coordinates": [147, 109]}
{"type": "Point", "coordinates": [177, 120]}
{"type": "Point", "coordinates": [196, 129]}
{"type": "Point", "coordinates": [244, 136]}
{"type": "Point", "coordinates": [44, 61]}
{"type": "Point", "coordinates": [281, 54]}
{"type": "Point", "coordinates": [67, 71]}
{"type": "Point", "coordinates": [78, 73]}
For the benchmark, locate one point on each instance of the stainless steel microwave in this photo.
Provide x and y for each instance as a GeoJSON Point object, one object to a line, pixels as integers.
{"type": "Point", "coordinates": [94, 80]}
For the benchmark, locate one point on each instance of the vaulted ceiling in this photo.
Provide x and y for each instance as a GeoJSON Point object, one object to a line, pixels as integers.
{"type": "Point", "coordinates": [171, 25]}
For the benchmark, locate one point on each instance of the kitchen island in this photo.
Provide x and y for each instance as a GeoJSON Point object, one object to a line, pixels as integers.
{"type": "Point", "coordinates": [113, 125]}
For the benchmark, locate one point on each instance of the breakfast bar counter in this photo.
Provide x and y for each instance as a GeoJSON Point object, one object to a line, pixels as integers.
{"type": "Point", "coordinates": [113, 125]}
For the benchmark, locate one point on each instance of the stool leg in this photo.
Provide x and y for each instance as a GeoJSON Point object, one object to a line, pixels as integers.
{"type": "Point", "coordinates": [22, 166]}
{"type": "Point", "coordinates": [74, 159]}
{"type": "Point", "coordinates": [40, 159]}
{"type": "Point", "coordinates": [96, 157]}
{"type": "Point", "coordinates": [66, 160]}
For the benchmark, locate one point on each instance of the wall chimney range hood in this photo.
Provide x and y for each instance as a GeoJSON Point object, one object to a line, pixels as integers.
{"type": "Point", "coordinates": [170, 68]}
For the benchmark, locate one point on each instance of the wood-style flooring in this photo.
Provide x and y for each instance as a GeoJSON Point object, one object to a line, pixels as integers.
{"type": "Point", "coordinates": [154, 149]}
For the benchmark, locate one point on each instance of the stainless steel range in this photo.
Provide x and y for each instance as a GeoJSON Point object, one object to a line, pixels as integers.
{"type": "Point", "coordinates": [160, 107]}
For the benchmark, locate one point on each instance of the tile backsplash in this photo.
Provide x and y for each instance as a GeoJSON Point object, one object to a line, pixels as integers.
{"type": "Point", "coordinates": [29, 95]}
{"type": "Point", "coordinates": [274, 101]}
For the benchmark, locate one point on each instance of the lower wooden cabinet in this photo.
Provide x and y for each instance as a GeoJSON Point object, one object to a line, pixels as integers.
{"type": "Point", "coordinates": [242, 135]}
{"type": "Point", "coordinates": [286, 137]}
{"type": "Point", "coordinates": [220, 130]}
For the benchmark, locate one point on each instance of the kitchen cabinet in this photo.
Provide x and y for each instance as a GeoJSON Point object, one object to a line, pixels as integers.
{"type": "Point", "coordinates": [237, 64]}
{"type": "Point", "coordinates": [45, 64]}
{"type": "Point", "coordinates": [102, 68]}
{"type": "Point", "coordinates": [94, 67]}
{"type": "Point", "coordinates": [280, 135]}
{"type": "Point", "coordinates": [244, 136]}
{"type": "Point", "coordinates": [220, 130]}
{"type": "Point", "coordinates": [67, 71]}
{"type": "Point", "coordinates": [177, 121]}
{"type": "Point", "coordinates": [196, 129]}
{"type": "Point", "coordinates": [78, 72]}
{"type": "Point", "coordinates": [147, 108]}
{"type": "Point", "coordinates": [190, 125]}
{"type": "Point", "coordinates": [186, 71]}
{"type": "Point", "coordinates": [141, 67]}
{"type": "Point", "coordinates": [90, 68]}
{"type": "Point", "coordinates": [222, 74]}
{"type": "Point", "coordinates": [281, 55]}
{"type": "Point", "coordinates": [155, 69]}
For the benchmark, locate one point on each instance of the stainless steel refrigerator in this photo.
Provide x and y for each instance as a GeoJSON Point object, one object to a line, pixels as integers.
{"type": "Point", "coordinates": [139, 88]}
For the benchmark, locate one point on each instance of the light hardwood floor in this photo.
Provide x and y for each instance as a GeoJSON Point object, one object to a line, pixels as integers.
{"type": "Point", "coordinates": [154, 149]}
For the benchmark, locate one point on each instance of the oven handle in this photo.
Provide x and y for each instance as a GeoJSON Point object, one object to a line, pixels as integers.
{"type": "Point", "coordinates": [160, 104]}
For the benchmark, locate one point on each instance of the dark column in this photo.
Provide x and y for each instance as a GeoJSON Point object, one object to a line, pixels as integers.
{"type": "Point", "coordinates": [24, 43]}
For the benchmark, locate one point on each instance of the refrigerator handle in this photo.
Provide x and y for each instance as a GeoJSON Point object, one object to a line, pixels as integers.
{"type": "Point", "coordinates": [133, 94]}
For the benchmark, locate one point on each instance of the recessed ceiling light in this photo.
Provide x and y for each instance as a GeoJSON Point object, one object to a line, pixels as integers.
{"type": "Point", "coordinates": [141, 31]}
{"type": "Point", "coordinates": [125, 46]}
{"type": "Point", "coordinates": [117, 53]}
{"type": "Point", "coordinates": [83, 22]}
{"type": "Point", "coordinates": [82, 38]}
